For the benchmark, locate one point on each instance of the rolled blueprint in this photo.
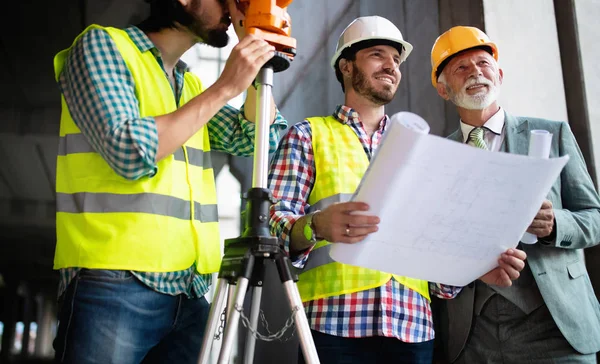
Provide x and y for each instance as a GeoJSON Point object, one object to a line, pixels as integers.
{"type": "Point", "coordinates": [539, 147]}
{"type": "Point", "coordinates": [411, 121]}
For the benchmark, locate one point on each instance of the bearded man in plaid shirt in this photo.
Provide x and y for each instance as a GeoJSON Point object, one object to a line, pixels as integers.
{"type": "Point", "coordinates": [356, 315]}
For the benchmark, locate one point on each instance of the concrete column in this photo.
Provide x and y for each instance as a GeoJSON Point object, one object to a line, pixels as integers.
{"type": "Point", "coordinates": [9, 318]}
{"type": "Point", "coordinates": [46, 321]}
{"type": "Point", "coordinates": [27, 317]}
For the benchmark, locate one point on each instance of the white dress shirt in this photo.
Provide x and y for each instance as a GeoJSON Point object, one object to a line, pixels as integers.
{"type": "Point", "coordinates": [493, 131]}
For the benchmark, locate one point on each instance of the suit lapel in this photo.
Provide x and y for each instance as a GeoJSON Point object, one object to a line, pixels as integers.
{"type": "Point", "coordinates": [516, 140]}
{"type": "Point", "coordinates": [456, 136]}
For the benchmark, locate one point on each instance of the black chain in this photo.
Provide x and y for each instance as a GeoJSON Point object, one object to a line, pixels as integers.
{"type": "Point", "coordinates": [270, 337]}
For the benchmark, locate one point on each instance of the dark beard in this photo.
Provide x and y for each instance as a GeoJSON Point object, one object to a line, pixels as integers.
{"type": "Point", "coordinates": [213, 37]}
{"type": "Point", "coordinates": [362, 87]}
{"type": "Point", "coordinates": [217, 38]}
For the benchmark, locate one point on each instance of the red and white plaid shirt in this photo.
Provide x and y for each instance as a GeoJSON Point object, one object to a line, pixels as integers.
{"type": "Point", "coordinates": [391, 310]}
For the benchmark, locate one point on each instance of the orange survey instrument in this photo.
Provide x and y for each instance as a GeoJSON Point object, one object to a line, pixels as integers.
{"type": "Point", "coordinates": [269, 20]}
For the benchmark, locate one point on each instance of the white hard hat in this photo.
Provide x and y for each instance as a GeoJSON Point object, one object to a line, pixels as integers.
{"type": "Point", "coordinates": [370, 28]}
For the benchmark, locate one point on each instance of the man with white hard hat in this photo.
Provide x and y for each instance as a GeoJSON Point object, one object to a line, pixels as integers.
{"type": "Point", "coordinates": [356, 315]}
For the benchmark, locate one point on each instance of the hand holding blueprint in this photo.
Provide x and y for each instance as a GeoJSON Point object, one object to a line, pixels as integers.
{"type": "Point", "coordinates": [447, 210]}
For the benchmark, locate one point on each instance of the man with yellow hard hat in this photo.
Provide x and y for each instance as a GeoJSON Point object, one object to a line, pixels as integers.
{"type": "Point", "coordinates": [356, 315]}
{"type": "Point", "coordinates": [550, 314]}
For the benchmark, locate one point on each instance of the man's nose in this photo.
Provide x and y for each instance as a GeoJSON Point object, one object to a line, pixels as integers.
{"type": "Point", "coordinates": [390, 65]}
{"type": "Point", "coordinates": [475, 70]}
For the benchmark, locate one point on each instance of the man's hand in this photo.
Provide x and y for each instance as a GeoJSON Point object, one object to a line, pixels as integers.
{"type": "Point", "coordinates": [543, 223]}
{"type": "Point", "coordinates": [511, 263]}
{"type": "Point", "coordinates": [337, 223]}
{"type": "Point", "coordinates": [242, 66]}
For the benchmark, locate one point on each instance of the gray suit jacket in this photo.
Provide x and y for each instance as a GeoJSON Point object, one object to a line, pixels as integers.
{"type": "Point", "coordinates": [558, 269]}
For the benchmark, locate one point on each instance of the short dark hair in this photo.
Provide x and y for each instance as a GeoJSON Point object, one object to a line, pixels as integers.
{"type": "Point", "coordinates": [445, 62]}
{"type": "Point", "coordinates": [350, 54]}
{"type": "Point", "coordinates": [165, 14]}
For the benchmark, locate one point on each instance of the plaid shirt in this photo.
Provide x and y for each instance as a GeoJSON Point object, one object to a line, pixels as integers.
{"type": "Point", "coordinates": [100, 93]}
{"type": "Point", "coordinates": [390, 310]}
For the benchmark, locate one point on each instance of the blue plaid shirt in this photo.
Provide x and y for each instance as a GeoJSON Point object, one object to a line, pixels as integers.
{"type": "Point", "coordinates": [100, 93]}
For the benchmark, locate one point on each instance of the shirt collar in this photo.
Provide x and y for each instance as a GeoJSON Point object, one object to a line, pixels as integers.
{"type": "Point", "coordinates": [494, 124]}
{"type": "Point", "coordinates": [144, 44]}
{"type": "Point", "coordinates": [347, 115]}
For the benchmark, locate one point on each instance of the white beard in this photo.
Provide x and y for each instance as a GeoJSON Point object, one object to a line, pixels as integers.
{"type": "Point", "coordinates": [478, 101]}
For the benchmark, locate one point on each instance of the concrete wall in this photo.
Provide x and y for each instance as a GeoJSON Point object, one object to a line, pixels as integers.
{"type": "Point", "coordinates": [525, 33]}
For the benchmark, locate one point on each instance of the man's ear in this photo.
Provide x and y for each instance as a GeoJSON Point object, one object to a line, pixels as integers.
{"type": "Point", "coordinates": [345, 66]}
{"type": "Point", "coordinates": [441, 89]}
{"type": "Point", "coordinates": [184, 3]}
{"type": "Point", "coordinates": [500, 75]}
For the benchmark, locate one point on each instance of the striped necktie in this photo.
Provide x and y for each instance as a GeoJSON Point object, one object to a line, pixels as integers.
{"type": "Point", "coordinates": [476, 138]}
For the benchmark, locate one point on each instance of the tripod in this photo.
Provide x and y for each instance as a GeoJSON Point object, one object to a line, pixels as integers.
{"type": "Point", "coordinates": [244, 261]}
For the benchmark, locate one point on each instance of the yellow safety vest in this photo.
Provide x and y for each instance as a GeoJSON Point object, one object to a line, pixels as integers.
{"type": "Point", "coordinates": [340, 163]}
{"type": "Point", "coordinates": [155, 224]}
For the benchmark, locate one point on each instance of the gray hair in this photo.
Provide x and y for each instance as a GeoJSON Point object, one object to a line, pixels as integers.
{"type": "Point", "coordinates": [442, 78]}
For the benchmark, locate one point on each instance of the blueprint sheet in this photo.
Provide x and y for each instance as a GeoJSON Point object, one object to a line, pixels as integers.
{"type": "Point", "coordinates": [448, 210]}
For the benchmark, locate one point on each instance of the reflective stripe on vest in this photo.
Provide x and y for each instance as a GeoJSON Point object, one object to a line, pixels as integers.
{"type": "Point", "coordinates": [149, 203]}
{"type": "Point", "coordinates": [161, 223]}
{"type": "Point", "coordinates": [318, 257]}
{"type": "Point", "coordinates": [77, 143]}
{"type": "Point", "coordinates": [340, 163]}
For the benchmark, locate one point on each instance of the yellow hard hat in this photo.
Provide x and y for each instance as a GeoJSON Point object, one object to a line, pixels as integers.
{"type": "Point", "coordinates": [453, 41]}
{"type": "Point", "coordinates": [374, 29]}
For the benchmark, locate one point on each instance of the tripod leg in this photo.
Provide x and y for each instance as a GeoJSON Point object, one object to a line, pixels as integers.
{"type": "Point", "coordinates": [291, 291]}
{"type": "Point", "coordinates": [230, 301]}
{"type": "Point", "coordinates": [306, 340]}
{"type": "Point", "coordinates": [214, 318]}
{"type": "Point", "coordinates": [233, 320]}
{"type": "Point", "coordinates": [254, 312]}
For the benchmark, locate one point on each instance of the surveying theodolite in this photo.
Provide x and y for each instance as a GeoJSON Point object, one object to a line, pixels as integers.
{"type": "Point", "coordinates": [245, 257]}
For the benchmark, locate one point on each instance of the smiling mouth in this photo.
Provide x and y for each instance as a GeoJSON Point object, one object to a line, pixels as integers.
{"type": "Point", "coordinates": [387, 80]}
{"type": "Point", "coordinates": [476, 87]}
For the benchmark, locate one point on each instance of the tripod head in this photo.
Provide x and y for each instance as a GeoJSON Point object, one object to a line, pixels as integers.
{"type": "Point", "coordinates": [269, 20]}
